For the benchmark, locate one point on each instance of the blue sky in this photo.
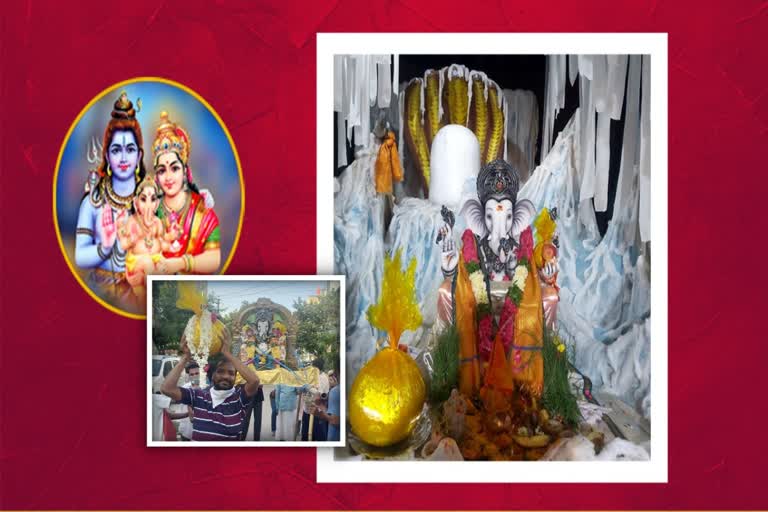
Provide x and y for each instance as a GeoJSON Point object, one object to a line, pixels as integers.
{"type": "Point", "coordinates": [233, 293]}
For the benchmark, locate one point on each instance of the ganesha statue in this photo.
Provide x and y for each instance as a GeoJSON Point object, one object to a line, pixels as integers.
{"type": "Point", "coordinates": [505, 270]}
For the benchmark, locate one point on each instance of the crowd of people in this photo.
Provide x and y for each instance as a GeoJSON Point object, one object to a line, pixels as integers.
{"type": "Point", "coordinates": [219, 410]}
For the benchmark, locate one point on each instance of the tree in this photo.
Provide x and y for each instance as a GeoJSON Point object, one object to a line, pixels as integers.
{"type": "Point", "coordinates": [214, 304]}
{"type": "Point", "coordinates": [168, 321]}
{"type": "Point", "coordinates": [318, 328]}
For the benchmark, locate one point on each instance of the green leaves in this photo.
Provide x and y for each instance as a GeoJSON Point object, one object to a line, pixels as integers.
{"type": "Point", "coordinates": [318, 328]}
{"type": "Point", "coordinates": [445, 360]}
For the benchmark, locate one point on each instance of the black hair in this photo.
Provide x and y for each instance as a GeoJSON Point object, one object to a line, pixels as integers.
{"type": "Point", "coordinates": [191, 366]}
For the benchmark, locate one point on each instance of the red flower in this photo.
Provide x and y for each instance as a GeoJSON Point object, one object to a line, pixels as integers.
{"type": "Point", "coordinates": [468, 247]}
{"type": "Point", "coordinates": [484, 329]}
{"type": "Point", "coordinates": [525, 250]}
{"type": "Point", "coordinates": [507, 322]}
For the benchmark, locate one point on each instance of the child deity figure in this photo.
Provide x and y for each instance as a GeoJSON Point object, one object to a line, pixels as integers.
{"type": "Point", "coordinates": [143, 236]}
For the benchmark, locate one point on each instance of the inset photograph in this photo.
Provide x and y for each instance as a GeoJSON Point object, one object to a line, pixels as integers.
{"type": "Point", "coordinates": [245, 360]}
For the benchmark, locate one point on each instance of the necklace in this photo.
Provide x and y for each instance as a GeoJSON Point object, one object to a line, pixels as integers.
{"type": "Point", "coordinates": [115, 199]}
{"type": "Point", "coordinates": [172, 215]}
{"type": "Point", "coordinates": [147, 232]}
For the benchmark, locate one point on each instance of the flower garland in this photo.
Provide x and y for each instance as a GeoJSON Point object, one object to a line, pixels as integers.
{"type": "Point", "coordinates": [486, 323]}
{"type": "Point", "coordinates": [477, 279]}
{"type": "Point", "coordinates": [524, 252]}
{"type": "Point", "coordinates": [199, 334]}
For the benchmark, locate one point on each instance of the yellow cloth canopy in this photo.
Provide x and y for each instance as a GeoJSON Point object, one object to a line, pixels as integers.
{"type": "Point", "coordinates": [309, 375]}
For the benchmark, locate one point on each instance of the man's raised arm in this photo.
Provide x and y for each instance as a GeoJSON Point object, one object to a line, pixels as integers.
{"type": "Point", "coordinates": [251, 379]}
{"type": "Point", "coordinates": [170, 385]}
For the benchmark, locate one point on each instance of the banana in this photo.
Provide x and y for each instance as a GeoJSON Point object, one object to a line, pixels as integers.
{"type": "Point", "coordinates": [537, 441]}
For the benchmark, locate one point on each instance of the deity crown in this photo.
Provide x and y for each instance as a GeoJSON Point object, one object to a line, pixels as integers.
{"type": "Point", "coordinates": [148, 181]}
{"type": "Point", "coordinates": [498, 180]}
{"type": "Point", "coordinates": [171, 137]}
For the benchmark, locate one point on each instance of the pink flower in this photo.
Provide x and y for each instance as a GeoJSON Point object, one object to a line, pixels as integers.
{"type": "Point", "coordinates": [526, 244]}
{"type": "Point", "coordinates": [468, 247]}
{"type": "Point", "coordinates": [484, 329]}
{"type": "Point", "coordinates": [507, 322]}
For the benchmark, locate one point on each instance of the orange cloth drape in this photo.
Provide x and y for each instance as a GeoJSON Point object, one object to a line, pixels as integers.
{"type": "Point", "coordinates": [528, 365]}
{"type": "Point", "coordinates": [388, 165]}
{"type": "Point", "coordinates": [466, 324]}
{"type": "Point", "coordinates": [498, 374]}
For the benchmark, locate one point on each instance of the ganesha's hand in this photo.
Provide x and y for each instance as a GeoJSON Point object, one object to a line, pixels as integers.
{"type": "Point", "coordinates": [169, 266]}
{"type": "Point", "coordinates": [108, 229]}
{"type": "Point", "coordinates": [450, 254]}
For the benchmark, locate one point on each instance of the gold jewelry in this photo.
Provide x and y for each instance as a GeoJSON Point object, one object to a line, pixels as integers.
{"type": "Point", "coordinates": [109, 170]}
{"type": "Point", "coordinates": [138, 166]}
{"type": "Point", "coordinates": [188, 263]}
{"type": "Point", "coordinates": [172, 216]}
{"type": "Point", "coordinates": [170, 137]}
{"type": "Point", "coordinates": [115, 199]}
{"type": "Point", "coordinates": [148, 239]}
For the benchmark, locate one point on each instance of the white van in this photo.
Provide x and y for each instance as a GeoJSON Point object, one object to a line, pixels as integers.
{"type": "Point", "coordinates": [161, 367]}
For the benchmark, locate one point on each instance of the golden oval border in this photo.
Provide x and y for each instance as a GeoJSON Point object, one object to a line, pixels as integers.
{"type": "Point", "coordinates": [85, 109]}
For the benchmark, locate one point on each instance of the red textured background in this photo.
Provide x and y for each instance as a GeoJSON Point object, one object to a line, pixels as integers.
{"type": "Point", "coordinates": [73, 373]}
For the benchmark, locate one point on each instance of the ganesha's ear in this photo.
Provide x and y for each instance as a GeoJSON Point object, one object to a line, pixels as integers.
{"type": "Point", "coordinates": [524, 212]}
{"type": "Point", "coordinates": [473, 212]}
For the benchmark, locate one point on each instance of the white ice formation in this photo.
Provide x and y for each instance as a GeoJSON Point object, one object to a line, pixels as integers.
{"type": "Point", "coordinates": [522, 124]}
{"type": "Point", "coordinates": [604, 282]}
{"type": "Point", "coordinates": [359, 251]}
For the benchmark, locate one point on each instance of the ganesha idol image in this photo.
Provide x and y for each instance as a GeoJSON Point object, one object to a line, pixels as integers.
{"type": "Point", "coordinates": [513, 279]}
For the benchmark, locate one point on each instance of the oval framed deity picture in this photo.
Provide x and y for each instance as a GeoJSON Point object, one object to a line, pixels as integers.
{"type": "Point", "coordinates": [147, 182]}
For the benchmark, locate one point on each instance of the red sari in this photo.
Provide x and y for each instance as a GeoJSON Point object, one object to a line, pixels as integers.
{"type": "Point", "coordinates": [199, 228]}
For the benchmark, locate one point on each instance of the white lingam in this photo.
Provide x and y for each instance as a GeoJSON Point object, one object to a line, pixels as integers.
{"type": "Point", "coordinates": [455, 156]}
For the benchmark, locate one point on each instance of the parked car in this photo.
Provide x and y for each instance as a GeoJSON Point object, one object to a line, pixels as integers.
{"type": "Point", "coordinates": [161, 367]}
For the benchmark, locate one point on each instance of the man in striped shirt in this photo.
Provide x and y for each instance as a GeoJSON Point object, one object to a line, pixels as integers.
{"type": "Point", "coordinates": [218, 411]}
